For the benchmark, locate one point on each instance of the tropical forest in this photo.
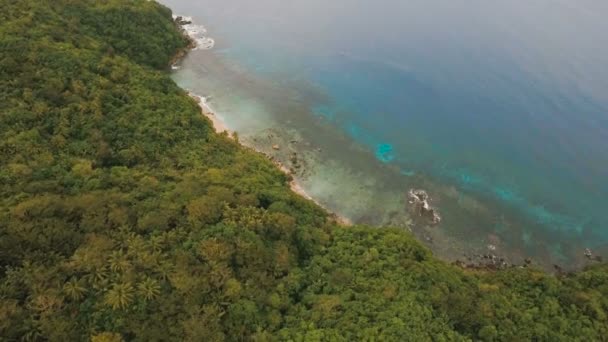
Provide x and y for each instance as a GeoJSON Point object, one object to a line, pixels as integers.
{"type": "Point", "coordinates": [125, 217]}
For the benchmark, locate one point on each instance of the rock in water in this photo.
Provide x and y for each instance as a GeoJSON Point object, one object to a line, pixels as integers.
{"type": "Point", "coordinates": [591, 256]}
{"type": "Point", "coordinates": [182, 21]}
{"type": "Point", "coordinates": [420, 201]}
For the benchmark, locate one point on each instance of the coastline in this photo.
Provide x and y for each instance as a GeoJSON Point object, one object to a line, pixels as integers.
{"type": "Point", "coordinates": [127, 217]}
{"type": "Point", "coordinates": [218, 123]}
{"type": "Point", "coordinates": [196, 35]}
{"type": "Point", "coordinates": [347, 196]}
{"type": "Point", "coordinates": [339, 175]}
{"type": "Point", "coordinates": [220, 127]}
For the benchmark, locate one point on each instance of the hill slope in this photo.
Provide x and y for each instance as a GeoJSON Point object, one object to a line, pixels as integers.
{"type": "Point", "coordinates": [124, 216]}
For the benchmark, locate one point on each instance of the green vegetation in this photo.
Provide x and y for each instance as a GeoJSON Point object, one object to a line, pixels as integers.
{"type": "Point", "coordinates": [123, 216]}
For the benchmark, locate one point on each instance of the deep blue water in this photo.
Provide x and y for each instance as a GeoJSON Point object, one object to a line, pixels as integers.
{"type": "Point", "coordinates": [506, 100]}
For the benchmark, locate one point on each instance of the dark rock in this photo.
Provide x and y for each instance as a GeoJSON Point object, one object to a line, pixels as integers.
{"type": "Point", "coordinates": [591, 256]}
{"type": "Point", "coordinates": [558, 269]}
{"type": "Point", "coordinates": [181, 21]}
{"type": "Point", "coordinates": [420, 201]}
{"type": "Point", "coordinates": [460, 263]}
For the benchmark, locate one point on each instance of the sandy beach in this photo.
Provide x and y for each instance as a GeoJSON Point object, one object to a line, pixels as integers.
{"type": "Point", "coordinates": [218, 123]}
{"type": "Point", "coordinates": [220, 127]}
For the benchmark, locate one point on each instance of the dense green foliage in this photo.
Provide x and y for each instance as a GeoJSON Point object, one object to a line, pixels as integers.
{"type": "Point", "coordinates": [123, 216]}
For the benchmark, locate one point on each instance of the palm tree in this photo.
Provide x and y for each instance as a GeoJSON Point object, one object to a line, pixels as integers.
{"type": "Point", "coordinates": [98, 278]}
{"type": "Point", "coordinates": [157, 242]}
{"type": "Point", "coordinates": [119, 262]}
{"type": "Point", "coordinates": [149, 289]}
{"type": "Point", "coordinates": [136, 245]}
{"type": "Point", "coordinates": [164, 269]}
{"type": "Point", "coordinates": [120, 296]}
{"type": "Point", "coordinates": [32, 330]}
{"type": "Point", "coordinates": [74, 289]}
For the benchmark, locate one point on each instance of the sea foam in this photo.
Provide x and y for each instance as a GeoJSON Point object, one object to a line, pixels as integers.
{"type": "Point", "coordinates": [198, 33]}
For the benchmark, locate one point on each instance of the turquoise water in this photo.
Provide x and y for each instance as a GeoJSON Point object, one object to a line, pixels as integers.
{"type": "Point", "coordinates": [503, 102]}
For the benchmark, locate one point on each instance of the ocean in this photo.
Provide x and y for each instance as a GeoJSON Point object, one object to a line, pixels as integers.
{"type": "Point", "coordinates": [497, 109]}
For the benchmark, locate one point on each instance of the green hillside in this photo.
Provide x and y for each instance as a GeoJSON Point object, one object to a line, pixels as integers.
{"type": "Point", "coordinates": [123, 216]}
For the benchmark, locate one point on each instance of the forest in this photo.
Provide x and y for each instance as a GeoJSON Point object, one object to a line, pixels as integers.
{"type": "Point", "coordinates": [125, 217]}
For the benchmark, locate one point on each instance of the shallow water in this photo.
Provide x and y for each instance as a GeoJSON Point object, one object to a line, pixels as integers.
{"type": "Point", "coordinates": [498, 109]}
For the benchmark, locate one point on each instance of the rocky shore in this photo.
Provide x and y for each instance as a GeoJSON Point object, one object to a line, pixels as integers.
{"type": "Point", "coordinates": [295, 165]}
{"type": "Point", "coordinates": [196, 36]}
{"type": "Point", "coordinates": [220, 127]}
{"type": "Point", "coordinates": [420, 204]}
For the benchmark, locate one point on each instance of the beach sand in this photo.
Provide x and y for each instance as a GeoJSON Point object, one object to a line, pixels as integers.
{"type": "Point", "coordinates": [220, 127]}
{"type": "Point", "coordinates": [194, 33]}
{"type": "Point", "coordinates": [218, 123]}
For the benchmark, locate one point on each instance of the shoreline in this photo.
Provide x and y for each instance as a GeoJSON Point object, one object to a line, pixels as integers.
{"type": "Point", "coordinates": [196, 35]}
{"type": "Point", "coordinates": [218, 123]}
{"type": "Point", "coordinates": [220, 127]}
{"type": "Point", "coordinates": [306, 163]}
{"type": "Point", "coordinates": [277, 148]}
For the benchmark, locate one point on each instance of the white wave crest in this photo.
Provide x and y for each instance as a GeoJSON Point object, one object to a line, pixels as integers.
{"type": "Point", "coordinates": [203, 101]}
{"type": "Point", "coordinates": [198, 33]}
{"type": "Point", "coordinates": [194, 29]}
{"type": "Point", "coordinates": [204, 43]}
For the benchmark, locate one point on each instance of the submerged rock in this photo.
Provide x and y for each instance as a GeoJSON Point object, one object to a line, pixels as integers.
{"type": "Point", "coordinates": [591, 256]}
{"type": "Point", "coordinates": [182, 21]}
{"type": "Point", "coordinates": [558, 269]}
{"type": "Point", "coordinates": [419, 199]}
